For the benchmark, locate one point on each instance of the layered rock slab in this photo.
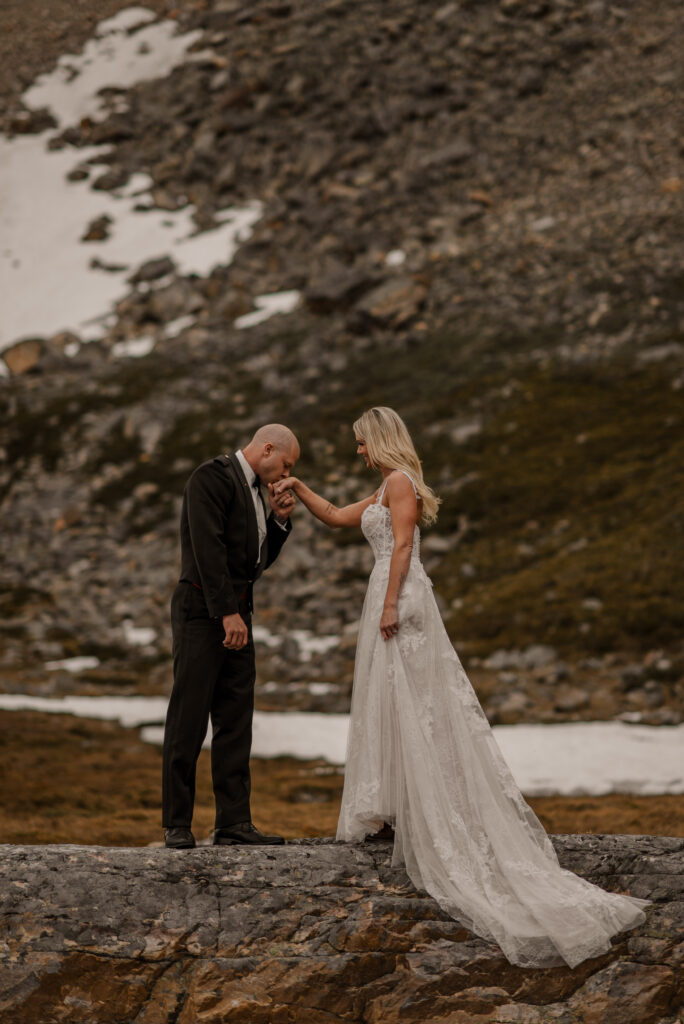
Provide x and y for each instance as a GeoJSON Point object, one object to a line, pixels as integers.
{"type": "Point", "coordinates": [313, 932]}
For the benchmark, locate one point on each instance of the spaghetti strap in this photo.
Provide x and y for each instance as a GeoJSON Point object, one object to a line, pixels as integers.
{"type": "Point", "coordinates": [381, 493]}
{"type": "Point", "coordinates": [406, 474]}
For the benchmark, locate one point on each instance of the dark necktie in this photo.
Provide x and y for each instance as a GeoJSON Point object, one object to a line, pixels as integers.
{"type": "Point", "coordinates": [261, 505]}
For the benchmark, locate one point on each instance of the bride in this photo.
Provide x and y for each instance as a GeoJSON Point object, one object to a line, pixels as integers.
{"type": "Point", "coordinates": [421, 755]}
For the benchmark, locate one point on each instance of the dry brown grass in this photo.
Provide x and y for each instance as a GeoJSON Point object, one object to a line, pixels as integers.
{"type": "Point", "coordinates": [70, 780]}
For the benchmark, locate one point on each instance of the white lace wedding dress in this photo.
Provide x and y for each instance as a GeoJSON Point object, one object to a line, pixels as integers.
{"type": "Point", "coordinates": [421, 755]}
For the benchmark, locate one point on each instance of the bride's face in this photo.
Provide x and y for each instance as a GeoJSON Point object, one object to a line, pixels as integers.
{"type": "Point", "coordinates": [361, 450]}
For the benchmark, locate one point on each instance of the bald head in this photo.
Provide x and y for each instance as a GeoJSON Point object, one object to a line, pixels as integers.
{"type": "Point", "coordinates": [272, 452]}
{"type": "Point", "coordinates": [277, 434]}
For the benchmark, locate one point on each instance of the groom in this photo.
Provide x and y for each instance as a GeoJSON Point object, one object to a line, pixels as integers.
{"type": "Point", "coordinates": [227, 540]}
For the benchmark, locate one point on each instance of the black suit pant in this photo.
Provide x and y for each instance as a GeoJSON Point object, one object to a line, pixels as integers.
{"type": "Point", "coordinates": [209, 682]}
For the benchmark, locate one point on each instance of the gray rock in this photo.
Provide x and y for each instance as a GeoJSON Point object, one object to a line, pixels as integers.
{"type": "Point", "coordinates": [557, 672]}
{"type": "Point", "coordinates": [658, 353]}
{"type": "Point", "coordinates": [455, 153]}
{"type": "Point", "coordinates": [307, 931]}
{"type": "Point", "coordinates": [511, 705]}
{"type": "Point", "coordinates": [654, 693]}
{"type": "Point", "coordinates": [78, 174]}
{"type": "Point", "coordinates": [98, 229]}
{"type": "Point", "coordinates": [115, 177]}
{"type": "Point", "coordinates": [152, 270]}
{"type": "Point", "coordinates": [437, 544]}
{"type": "Point", "coordinates": [461, 433]}
{"type": "Point", "coordinates": [632, 676]}
{"type": "Point", "coordinates": [571, 699]}
{"type": "Point", "coordinates": [30, 122]}
{"type": "Point", "coordinates": [530, 80]}
{"type": "Point", "coordinates": [538, 655]}
{"type": "Point", "coordinates": [533, 657]}
{"type": "Point", "coordinates": [337, 288]}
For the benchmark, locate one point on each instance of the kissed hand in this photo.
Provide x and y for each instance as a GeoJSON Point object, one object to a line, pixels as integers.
{"type": "Point", "coordinates": [281, 502]}
{"type": "Point", "coordinates": [287, 483]}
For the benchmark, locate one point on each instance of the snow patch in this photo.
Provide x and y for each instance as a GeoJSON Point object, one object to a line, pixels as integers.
{"type": "Point", "coordinates": [268, 306]}
{"type": "Point", "coordinates": [395, 257]}
{"type": "Point", "coordinates": [567, 759]}
{"type": "Point", "coordinates": [56, 281]}
{"type": "Point", "coordinates": [308, 643]}
{"type": "Point", "coordinates": [138, 636]}
{"type": "Point", "coordinates": [115, 57]}
{"type": "Point", "coordinates": [135, 348]}
{"type": "Point", "coordinates": [79, 664]}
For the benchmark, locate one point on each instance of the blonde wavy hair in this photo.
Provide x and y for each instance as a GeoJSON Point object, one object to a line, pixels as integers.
{"type": "Point", "coordinates": [389, 445]}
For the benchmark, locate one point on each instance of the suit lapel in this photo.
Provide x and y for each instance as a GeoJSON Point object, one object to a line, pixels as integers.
{"type": "Point", "coordinates": [250, 512]}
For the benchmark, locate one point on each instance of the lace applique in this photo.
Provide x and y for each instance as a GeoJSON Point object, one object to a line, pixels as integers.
{"type": "Point", "coordinates": [367, 791]}
{"type": "Point", "coordinates": [410, 638]}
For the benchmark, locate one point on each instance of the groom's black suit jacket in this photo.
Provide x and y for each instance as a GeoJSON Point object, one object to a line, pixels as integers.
{"type": "Point", "coordinates": [220, 539]}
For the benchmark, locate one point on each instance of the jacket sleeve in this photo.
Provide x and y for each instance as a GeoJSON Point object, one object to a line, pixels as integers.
{"type": "Point", "coordinates": [208, 503]}
{"type": "Point", "coordinates": [277, 535]}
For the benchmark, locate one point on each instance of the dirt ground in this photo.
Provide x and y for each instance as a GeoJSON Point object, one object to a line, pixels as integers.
{"type": "Point", "coordinates": [70, 780]}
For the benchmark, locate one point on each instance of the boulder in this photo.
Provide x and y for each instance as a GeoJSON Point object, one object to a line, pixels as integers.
{"type": "Point", "coordinates": [152, 270]}
{"type": "Point", "coordinates": [393, 302]}
{"type": "Point", "coordinates": [115, 177]}
{"type": "Point", "coordinates": [31, 122]}
{"type": "Point", "coordinates": [98, 229]}
{"type": "Point", "coordinates": [337, 288]}
{"type": "Point", "coordinates": [24, 356]}
{"type": "Point", "coordinates": [571, 698]}
{"type": "Point", "coordinates": [308, 933]}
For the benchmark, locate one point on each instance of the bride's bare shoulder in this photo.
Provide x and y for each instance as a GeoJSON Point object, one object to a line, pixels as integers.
{"type": "Point", "coordinates": [399, 486]}
{"type": "Point", "coordinates": [398, 480]}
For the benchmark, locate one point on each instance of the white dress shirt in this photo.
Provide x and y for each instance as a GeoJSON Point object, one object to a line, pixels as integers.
{"type": "Point", "coordinates": [250, 477]}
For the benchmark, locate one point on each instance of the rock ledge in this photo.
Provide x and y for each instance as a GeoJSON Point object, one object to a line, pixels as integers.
{"type": "Point", "coordinates": [312, 932]}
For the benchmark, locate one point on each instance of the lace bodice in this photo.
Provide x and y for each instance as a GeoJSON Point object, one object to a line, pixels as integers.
{"type": "Point", "coordinates": [376, 526]}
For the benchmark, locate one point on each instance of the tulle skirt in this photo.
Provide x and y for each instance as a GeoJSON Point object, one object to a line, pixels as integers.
{"type": "Point", "coordinates": [422, 756]}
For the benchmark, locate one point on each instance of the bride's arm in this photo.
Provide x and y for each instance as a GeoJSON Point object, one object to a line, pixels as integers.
{"type": "Point", "coordinates": [404, 514]}
{"type": "Point", "coordinates": [331, 515]}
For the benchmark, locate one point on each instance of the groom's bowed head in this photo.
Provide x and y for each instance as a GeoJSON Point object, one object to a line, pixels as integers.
{"type": "Point", "coordinates": [272, 453]}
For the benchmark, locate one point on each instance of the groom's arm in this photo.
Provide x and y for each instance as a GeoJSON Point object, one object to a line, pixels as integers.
{"type": "Point", "coordinates": [277, 530]}
{"type": "Point", "coordinates": [208, 497]}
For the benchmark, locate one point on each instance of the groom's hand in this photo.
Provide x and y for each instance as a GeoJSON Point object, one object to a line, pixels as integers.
{"type": "Point", "coordinates": [282, 502]}
{"type": "Point", "coordinates": [236, 632]}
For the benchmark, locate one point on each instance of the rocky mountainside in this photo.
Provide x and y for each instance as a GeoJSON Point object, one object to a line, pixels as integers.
{"type": "Point", "coordinates": [313, 932]}
{"type": "Point", "coordinates": [480, 205]}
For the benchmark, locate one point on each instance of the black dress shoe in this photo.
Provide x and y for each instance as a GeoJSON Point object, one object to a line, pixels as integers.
{"type": "Point", "coordinates": [385, 834]}
{"type": "Point", "coordinates": [178, 839]}
{"type": "Point", "coordinates": [243, 834]}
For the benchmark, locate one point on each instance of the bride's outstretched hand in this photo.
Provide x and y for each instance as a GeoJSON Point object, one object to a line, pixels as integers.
{"type": "Point", "coordinates": [288, 483]}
